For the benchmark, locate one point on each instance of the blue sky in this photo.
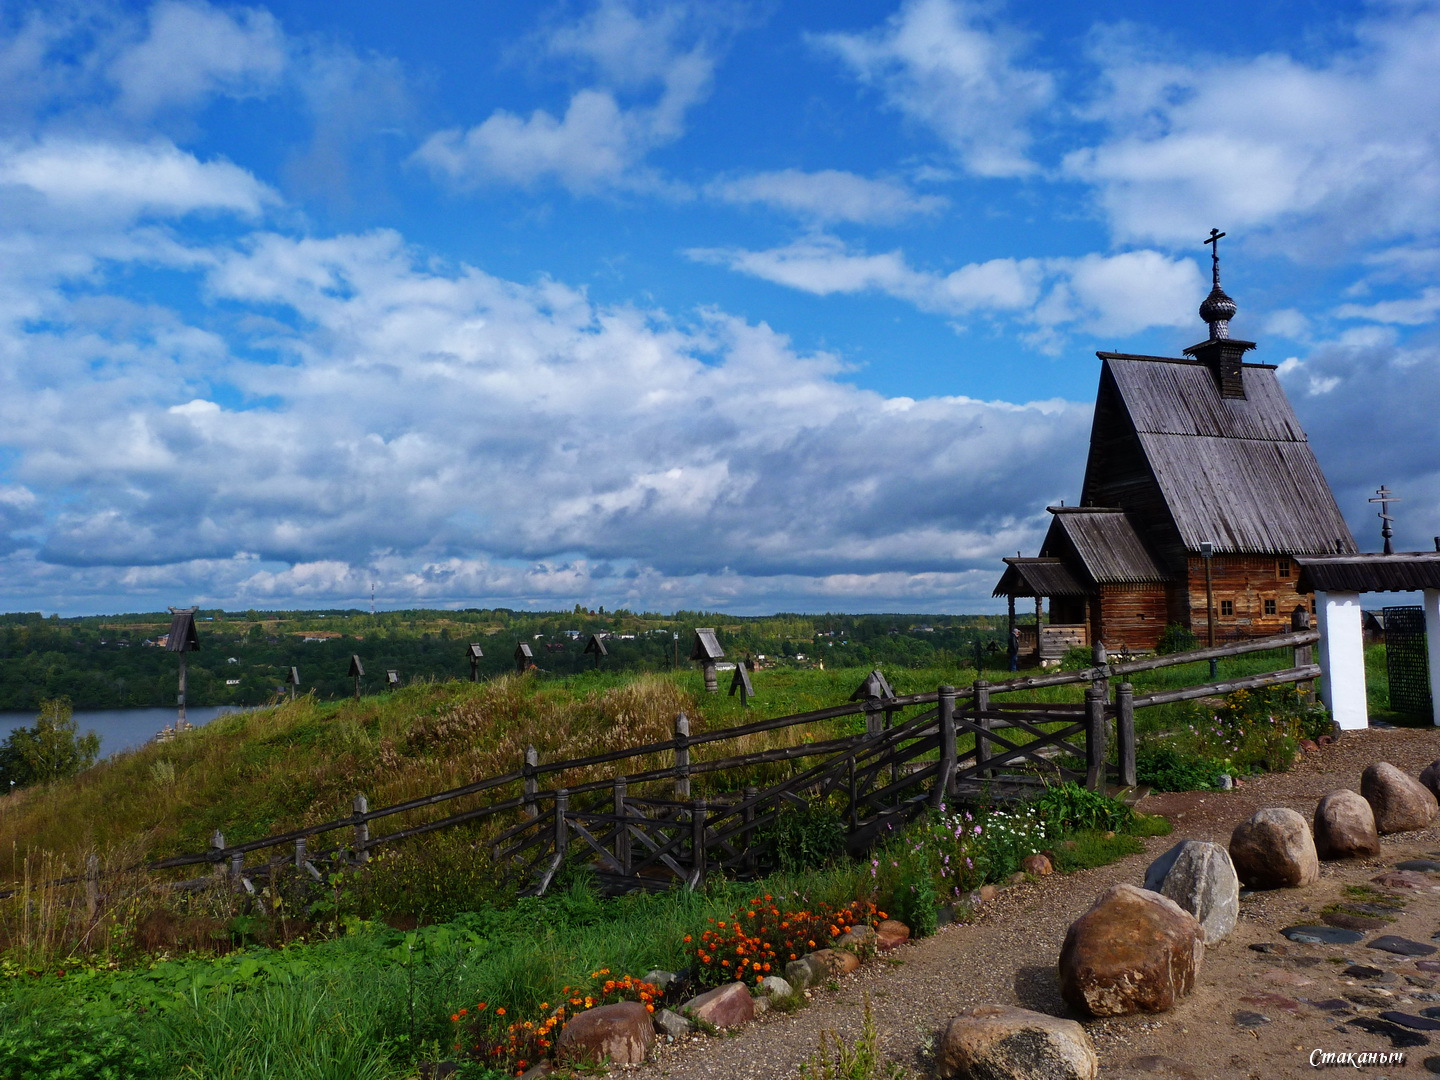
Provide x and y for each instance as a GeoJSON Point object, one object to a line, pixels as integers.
{"type": "Point", "coordinates": [735, 305]}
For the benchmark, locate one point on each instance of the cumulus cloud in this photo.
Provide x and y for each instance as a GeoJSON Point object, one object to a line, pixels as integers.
{"type": "Point", "coordinates": [1341, 146]}
{"type": "Point", "coordinates": [193, 51]}
{"type": "Point", "coordinates": [828, 195]}
{"type": "Point", "coordinates": [1104, 294]}
{"type": "Point", "coordinates": [947, 66]}
{"type": "Point", "coordinates": [469, 430]}
{"type": "Point", "coordinates": [126, 180]}
{"type": "Point", "coordinates": [651, 65]}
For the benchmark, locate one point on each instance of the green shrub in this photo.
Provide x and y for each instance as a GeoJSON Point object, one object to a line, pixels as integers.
{"type": "Point", "coordinates": [47, 1046]}
{"type": "Point", "coordinates": [1068, 806]}
{"type": "Point", "coordinates": [1175, 639]}
{"type": "Point", "coordinates": [1167, 769]}
{"type": "Point", "coordinates": [1077, 658]}
{"type": "Point", "coordinates": [803, 839]}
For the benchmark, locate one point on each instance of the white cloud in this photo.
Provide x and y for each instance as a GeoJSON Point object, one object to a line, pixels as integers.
{"type": "Point", "coordinates": [943, 64]}
{"type": "Point", "coordinates": [120, 180]}
{"type": "Point", "coordinates": [663, 57]}
{"type": "Point", "coordinates": [193, 51]}
{"type": "Point", "coordinates": [1099, 294]}
{"type": "Point", "coordinates": [1341, 148]}
{"type": "Point", "coordinates": [828, 195]}
{"type": "Point", "coordinates": [472, 436]}
{"type": "Point", "coordinates": [1410, 311]}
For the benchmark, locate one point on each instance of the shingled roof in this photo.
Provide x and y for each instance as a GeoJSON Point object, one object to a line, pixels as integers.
{"type": "Point", "coordinates": [1104, 542]}
{"type": "Point", "coordinates": [1236, 471]}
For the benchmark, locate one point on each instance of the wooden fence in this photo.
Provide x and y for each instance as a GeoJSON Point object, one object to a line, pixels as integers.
{"type": "Point", "coordinates": [645, 828]}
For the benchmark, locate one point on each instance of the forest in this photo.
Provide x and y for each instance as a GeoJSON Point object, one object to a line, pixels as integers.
{"type": "Point", "coordinates": [245, 657]}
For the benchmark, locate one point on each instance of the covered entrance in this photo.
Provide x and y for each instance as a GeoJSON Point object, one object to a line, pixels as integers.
{"type": "Point", "coordinates": [1338, 582]}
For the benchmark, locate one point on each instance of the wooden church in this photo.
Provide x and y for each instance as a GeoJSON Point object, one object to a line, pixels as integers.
{"type": "Point", "coordinates": [1199, 488]}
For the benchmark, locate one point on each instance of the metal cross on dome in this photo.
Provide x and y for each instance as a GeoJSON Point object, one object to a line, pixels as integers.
{"type": "Point", "coordinates": [1384, 496]}
{"type": "Point", "coordinates": [1214, 242]}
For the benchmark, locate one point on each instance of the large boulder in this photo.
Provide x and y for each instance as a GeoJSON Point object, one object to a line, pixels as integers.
{"type": "Point", "coordinates": [891, 934]}
{"type": "Point", "coordinates": [998, 1042]}
{"type": "Point", "coordinates": [621, 1034]}
{"type": "Point", "coordinates": [1200, 877]}
{"type": "Point", "coordinates": [1133, 951]}
{"type": "Point", "coordinates": [1401, 803]}
{"type": "Point", "coordinates": [833, 962]}
{"type": "Point", "coordinates": [1274, 850]}
{"type": "Point", "coordinates": [725, 1006]}
{"type": "Point", "coordinates": [1345, 827]}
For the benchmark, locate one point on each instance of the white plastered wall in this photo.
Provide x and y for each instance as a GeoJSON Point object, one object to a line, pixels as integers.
{"type": "Point", "coordinates": [1342, 658]}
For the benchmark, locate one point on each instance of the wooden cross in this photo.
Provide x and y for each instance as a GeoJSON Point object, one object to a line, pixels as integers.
{"type": "Point", "coordinates": [1214, 242]}
{"type": "Point", "coordinates": [1384, 496]}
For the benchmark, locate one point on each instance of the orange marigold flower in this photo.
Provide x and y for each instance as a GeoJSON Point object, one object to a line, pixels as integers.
{"type": "Point", "coordinates": [500, 1011]}
{"type": "Point", "coordinates": [687, 939]}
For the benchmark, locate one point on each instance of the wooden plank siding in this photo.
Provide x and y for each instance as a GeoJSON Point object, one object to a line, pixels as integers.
{"type": "Point", "coordinates": [1247, 581]}
{"type": "Point", "coordinates": [1130, 616]}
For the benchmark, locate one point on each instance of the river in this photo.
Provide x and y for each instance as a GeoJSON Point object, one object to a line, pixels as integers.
{"type": "Point", "coordinates": [121, 729]}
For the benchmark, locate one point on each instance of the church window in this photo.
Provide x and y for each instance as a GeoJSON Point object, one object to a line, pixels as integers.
{"type": "Point", "coordinates": [1282, 568]}
{"type": "Point", "coordinates": [1227, 607]}
{"type": "Point", "coordinates": [1269, 607]}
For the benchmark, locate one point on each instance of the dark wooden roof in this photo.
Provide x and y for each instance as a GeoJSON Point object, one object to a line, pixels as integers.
{"type": "Point", "coordinates": [874, 686]}
{"type": "Point", "coordinates": [356, 667]}
{"type": "Point", "coordinates": [1037, 577]}
{"type": "Point", "coordinates": [706, 646]}
{"type": "Point", "coordinates": [522, 651]}
{"type": "Point", "coordinates": [1401, 572]}
{"type": "Point", "coordinates": [183, 637]}
{"type": "Point", "coordinates": [1103, 542]}
{"type": "Point", "coordinates": [1237, 472]}
{"type": "Point", "coordinates": [596, 646]}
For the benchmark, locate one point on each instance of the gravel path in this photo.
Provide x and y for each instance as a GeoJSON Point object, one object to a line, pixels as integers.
{"type": "Point", "coordinates": [1007, 955]}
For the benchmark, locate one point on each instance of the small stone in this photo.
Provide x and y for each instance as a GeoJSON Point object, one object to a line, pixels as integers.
{"type": "Point", "coordinates": [1432, 1064]}
{"type": "Point", "coordinates": [1427, 965]}
{"type": "Point", "coordinates": [1322, 935]}
{"type": "Point", "coordinates": [621, 1033]}
{"type": "Point", "coordinates": [857, 937]}
{"type": "Point", "coordinates": [1248, 1019]}
{"type": "Point", "coordinates": [1038, 865]}
{"type": "Point", "coordinates": [1399, 1037]}
{"type": "Point", "coordinates": [663, 979]}
{"type": "Point", "coordinates": [1330, 1005]}
{"type": "Point", "coordinates": [891, 934]}
{"type": "Point", "coordinates": [801, 974]}
{"type": "Point", "coordinates": [1269, 947]}
{"type": "Point", "coordinates": [774, 986]}
{"type": "Point", "coordinates": [1017, 878]}
{"type": "Point", "coordinates": [1351, 922]}
{"type": "Point", "coordinates": [1401, 803]}
{"type": "Point", "coordinates": [672, 1024]}
{"type": "Point", "coordinates": [1360, 971]}
{"type": "Point", "coordinates": [1391, 943]}
{"type": "Point", "coordinates": [1200, 877]}
{"type": "Point", "coordinates": [1014, 1044]}
{"type": "Point", "coordinates": [1274, 850]}
{"type": "Point", "coordinates": [725, 1006]}
{"type": "Point", "coordinates": [762, 1006]}
{"type": "Point", "coordinates": [1370, 999]}
{"type": "Point", "coordinates": [834, 962]}
{"type": "Point", "coordinates": [1227, 782]}
{"type": "Point", "coordinates": [1424, 866]}
{"type": "Point", "coordinates": [987, 893]}
{"type": "Point", "coordinates": [1278, 977]}
{"type": "Point", "coordinates": [1380, 911]}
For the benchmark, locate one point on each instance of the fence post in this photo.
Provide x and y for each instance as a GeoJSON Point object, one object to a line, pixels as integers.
{"type": "Point", "coordinates": [697, 844]}
{"type": "Point", "coordinates": [300, 854]}
{"type": "Point", "coordinates": [851, 791]}
{"type": "Point", "coordinates": [622, 827]}
{"type": "Point", "coordinates": [751, 794]}
{"type": "Point", "coordinates": [1095, 738]}
{"type": "Point", "coordinates": [529, 785]}
{"type": "Point", "coordinates": [1303, 654]}
{"type": "Point", "coordinates": [874, 719]}
{"type": "Point", "coordinates": [237, 871]}
{"type": "Point", "coordinates": [92, 884]}
{"type": "Point", "coordinates": [1125, 732]}
{"type": "Point", "coordinates": [682, 756]}
{"type": "Point", "coordinates": [946, 710]}
{"type": "Point", "coordinates": [1101, 657]}
{"type": "Point", "coordinates": [562, 831]}
{"type": "Point", "coordinates": [362, 829]}
{"type": "Point", "coordinates": [982, 744]}
{"type": "Point", "coordinates": [217, 852]}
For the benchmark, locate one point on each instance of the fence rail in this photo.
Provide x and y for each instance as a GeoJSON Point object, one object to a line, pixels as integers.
{"type": "Point", "coordinates": [899, 765]}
